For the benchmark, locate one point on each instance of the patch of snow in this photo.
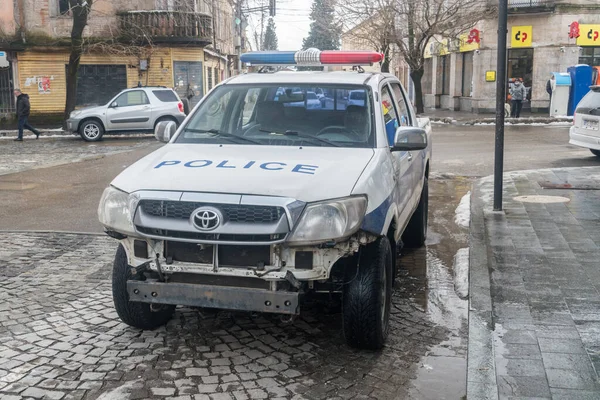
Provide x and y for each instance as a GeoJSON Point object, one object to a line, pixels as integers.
{"type": "Point", "coordinates": [461, 273]}
{"type": "Point", "coordinates": [463, 211]}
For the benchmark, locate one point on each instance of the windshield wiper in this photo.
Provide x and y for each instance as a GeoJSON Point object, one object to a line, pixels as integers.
{"type": "Point", "coordinates": [217, 132]}
{"type": "Point", "coordinates": [304, 136]}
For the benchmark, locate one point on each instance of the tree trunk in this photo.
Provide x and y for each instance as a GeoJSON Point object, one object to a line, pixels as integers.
{"type": "Point", "coordinates": [416, 75]}
{"type": "Point", "coordinates": [72, 69]}
{"type": "Point", "coordinates": [80, 10]}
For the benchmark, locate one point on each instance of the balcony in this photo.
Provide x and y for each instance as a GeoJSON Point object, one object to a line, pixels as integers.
{"type": "Point", "coordinates": [175, 27]}
{"type": "Point", "coordinates": [530, 6]}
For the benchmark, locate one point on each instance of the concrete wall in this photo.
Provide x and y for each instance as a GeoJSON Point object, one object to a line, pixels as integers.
{"type": "Point", "coordinates": [7, 18]}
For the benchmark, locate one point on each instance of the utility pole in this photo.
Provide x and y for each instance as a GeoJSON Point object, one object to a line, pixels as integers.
{"type": "Point", "coordinates": [238, 39]}
{"type": "Point", "coordinates": [500, 99]}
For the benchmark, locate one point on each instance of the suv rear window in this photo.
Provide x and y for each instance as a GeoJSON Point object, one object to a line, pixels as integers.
{"type": "Point", "coordinates": [165, 96]}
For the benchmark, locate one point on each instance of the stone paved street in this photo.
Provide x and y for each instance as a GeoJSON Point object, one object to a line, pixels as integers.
{"type": "Point", "coordinates": [50, 151]}
{"type": "Point", "coordinates": [60, 337]}
{"type": "Point", "coordinates": [535, 288]}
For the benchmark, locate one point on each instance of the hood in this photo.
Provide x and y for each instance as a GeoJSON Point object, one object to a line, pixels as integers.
{"type": "Point", "coordinates": [90, 110]}
{"type": "Point", "coordinates": [517, 83]}
{"type": "Point", "coordinates": [306, 174]}
{"type": "Point", "coordinates": [23, 95]}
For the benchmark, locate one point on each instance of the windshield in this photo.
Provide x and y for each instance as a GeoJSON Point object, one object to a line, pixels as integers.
{"type": "Point", "coordinates": [276, 115]}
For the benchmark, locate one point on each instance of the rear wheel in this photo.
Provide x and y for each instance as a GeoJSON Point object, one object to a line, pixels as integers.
{"type": "Point", "coordinates": [138, 315]}
{"type": "Point", "coordinates": [366, 298]}
{"type": "Point", "coordinates": [91, 130]}
{"type": "Point", "coordinates": [416, 231]}
{"type": "Point", "coordinates": [595, 152]}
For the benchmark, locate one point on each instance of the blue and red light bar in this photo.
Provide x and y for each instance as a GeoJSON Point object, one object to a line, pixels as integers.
{"type": "Point", "coordinates": [312, 57]}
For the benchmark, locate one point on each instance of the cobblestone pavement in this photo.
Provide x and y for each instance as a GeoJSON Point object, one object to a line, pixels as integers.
{"type": "Point", "coordinates": [50, 151]}
{"type": "Point", "coordinates": [60, 337]}
{"type": "Point", "coordinates": [538, 263]}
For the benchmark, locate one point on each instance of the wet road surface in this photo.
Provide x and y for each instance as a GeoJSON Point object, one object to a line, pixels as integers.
{"type": "Point", "coordinates": [217, 354]}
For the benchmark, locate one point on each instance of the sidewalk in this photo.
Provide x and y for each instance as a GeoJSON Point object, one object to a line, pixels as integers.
{"type": "Point", "coordinates": [534, 319]}
{"type": "Point", "coordinates": [468, 118]}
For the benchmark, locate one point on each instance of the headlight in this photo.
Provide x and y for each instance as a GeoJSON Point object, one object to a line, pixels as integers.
{"type": "Point", "coordinates": [329, 220]}
{"type": "Point", "coordinates": [74, 114]}
{"type": "Point", "coordinates": [116, 210]}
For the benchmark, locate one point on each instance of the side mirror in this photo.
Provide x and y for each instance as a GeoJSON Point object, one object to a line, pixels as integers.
{"type": "Point", "coordinates": [114, 104]}
{"type": "Point", "coordinates": [165, 130]}
{"type": "Point", "coordinates": [409, 138]}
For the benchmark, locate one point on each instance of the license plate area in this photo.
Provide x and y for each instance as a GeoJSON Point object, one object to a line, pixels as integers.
{"type": "Point", "coordinates": [591, 124]}
{"type": "Point", "coordinates": [228, 255]}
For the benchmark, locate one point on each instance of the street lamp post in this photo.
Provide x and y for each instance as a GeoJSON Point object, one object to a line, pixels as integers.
{"type": "Point", "coordinates": [500, 99]}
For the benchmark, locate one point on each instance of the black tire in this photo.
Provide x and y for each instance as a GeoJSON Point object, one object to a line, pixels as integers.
{"type": "Point", "coordinates": [595, 152]}
{"type": "Point", "coordinates": [366, 299]}
{"type": "Point", "coordinates": [163, 119]}
{"type": "Point", "coordinates": [91, 130]}
{"type": "Point", "coordinates": [416, 232]}
{"type": "Point", "coordinates": [138, 315]}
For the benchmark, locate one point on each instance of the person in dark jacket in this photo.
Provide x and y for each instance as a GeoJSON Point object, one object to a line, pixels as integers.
{"type": "Point", "coordinates": [23, 110]}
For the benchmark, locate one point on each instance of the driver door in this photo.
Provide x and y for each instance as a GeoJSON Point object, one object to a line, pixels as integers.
{"type": "Point", "coordinates": [129, 111]}
{"type": "Point", "coordinates": [401, 160]}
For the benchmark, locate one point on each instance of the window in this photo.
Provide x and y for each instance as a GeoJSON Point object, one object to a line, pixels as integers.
{"type": "Point", "coordinates": [467, 74]}
{"type": "Point", "coordinates": [63, 7]}
{"type": "Point", "coordinates": [271, 115]}
{"type": "Point", "coordinates": [427, 75]}
{"type": "Point", "coordinates": [402, 108]}
{"type": "Point", "coordinates": [166, 96]}
{"type": "Point", "coordinates": [133, 98]}
{"type": "Point", "coordinates": [216, 71]}
{"type": "Point", "coordinates": [445, 60]}
{"type": "Point", "coordinates": [209, 77]}
{"type": "Point", "coordinates": [389, 114]}
{"type": "Point", "coordinates": [590, 56]}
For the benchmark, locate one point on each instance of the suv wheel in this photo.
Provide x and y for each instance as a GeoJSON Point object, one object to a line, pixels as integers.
{"type": "Point", "coordinates": [416, 232]}
{"type": "Point", "coordinates": [91, 131]}
{"type": "Point", "coordinates": [138, 315]}
{"type": "Point", "coordinates": [367, 296]}
{"type": "Point", "coordinates": [163, 119]}
{"type": "Point", "coordinates": [595, 152]}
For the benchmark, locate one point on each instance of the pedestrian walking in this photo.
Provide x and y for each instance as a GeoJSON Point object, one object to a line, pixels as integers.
{"type": "Point", "coordinates": [23, 110]}
{"type": "Point", "coordinates": [517, 94]}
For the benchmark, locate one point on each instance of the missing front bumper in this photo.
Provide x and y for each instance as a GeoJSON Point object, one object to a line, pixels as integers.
{"type": "Point", "coordinates": [224, 297]}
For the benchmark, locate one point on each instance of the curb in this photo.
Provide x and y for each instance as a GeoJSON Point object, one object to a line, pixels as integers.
{"type": "Point", "coordinates": [508, 121]}
{"type": "Point", "coordinates": [481, 366]}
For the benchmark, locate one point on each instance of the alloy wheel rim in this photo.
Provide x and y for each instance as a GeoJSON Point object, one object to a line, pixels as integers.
{"type": "Point", "coordinates": [91, 131]}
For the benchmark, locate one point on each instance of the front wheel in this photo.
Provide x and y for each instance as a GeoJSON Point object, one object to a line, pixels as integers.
{"type": "Point", "coordinates": [138, 315]}
{"type": "Point", "coordinates": [91, 131]}
{"type": "Point", "coordinates": [416, 232]}
{"type": "Point", "coordinates": [367, 296]}
{"type": "Point", "coordinates": [595, 152]}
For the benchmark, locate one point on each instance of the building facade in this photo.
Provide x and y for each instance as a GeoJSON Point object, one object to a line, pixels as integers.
{"type": "Point", "coordinates": [541, 39]}
{"type": "Point", "coordinates": [185, 45]}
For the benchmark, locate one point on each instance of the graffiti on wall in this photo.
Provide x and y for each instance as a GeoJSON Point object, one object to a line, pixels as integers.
{"type": "Point", "coordinates": [43, 83]}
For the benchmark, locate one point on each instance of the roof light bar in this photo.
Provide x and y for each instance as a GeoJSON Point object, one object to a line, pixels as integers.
{"type": "Point", "coordinates": [312, 57]}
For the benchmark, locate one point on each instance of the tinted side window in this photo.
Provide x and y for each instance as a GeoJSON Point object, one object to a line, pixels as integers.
{"type": "Point", "coordinates": [401, 106]}
{"type": "Point", "coordinates": [133, 98]}
{"type": "Point", "coordinates": [166, 96]}
{"type": "Point", "coordinates": [389, 114]}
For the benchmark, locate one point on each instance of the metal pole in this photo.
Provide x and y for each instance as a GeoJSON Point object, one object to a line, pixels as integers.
{"type": "Point", "coordinates": [500, 99]}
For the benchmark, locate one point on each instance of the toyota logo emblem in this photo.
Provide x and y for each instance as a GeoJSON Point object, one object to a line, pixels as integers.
{"type": "Point", "coordinates": [206, 219]}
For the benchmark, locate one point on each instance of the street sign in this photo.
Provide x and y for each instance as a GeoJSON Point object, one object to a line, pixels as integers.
{"type": "Point", "coordinates": [3, 60]}
{"type": "Point", "coordinates": [589, 35]}
{"type": "Point", "coordinates": [522, 36]}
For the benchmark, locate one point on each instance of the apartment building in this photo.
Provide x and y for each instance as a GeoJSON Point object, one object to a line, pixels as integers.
{"type": "Point", "coordinates": [544, 36]}
{"type": "Point", "coordinates": [184, 44]}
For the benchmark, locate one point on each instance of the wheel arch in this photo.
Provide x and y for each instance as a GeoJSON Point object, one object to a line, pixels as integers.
{"type": "Point", "coordinates": [95, 119]}
{"type": "Point", "coordinates": [166, 116]}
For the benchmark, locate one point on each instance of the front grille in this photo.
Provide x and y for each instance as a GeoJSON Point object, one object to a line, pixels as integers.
{"type": "Point", "coordinates": [166, 233]}
{"type": "Point", "coordinates": [249, 214]}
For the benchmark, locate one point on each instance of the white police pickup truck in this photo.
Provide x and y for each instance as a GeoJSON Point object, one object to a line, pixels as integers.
{"type": "Point", "coordinates": [256, 203]}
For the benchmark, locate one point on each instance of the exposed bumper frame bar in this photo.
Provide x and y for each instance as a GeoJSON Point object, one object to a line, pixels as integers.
{"type": "Point", "coordinates": [224, 297]}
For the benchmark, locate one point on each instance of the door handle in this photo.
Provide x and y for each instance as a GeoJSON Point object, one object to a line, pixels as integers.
{"type": "Point", "coordinates": [409, 156]}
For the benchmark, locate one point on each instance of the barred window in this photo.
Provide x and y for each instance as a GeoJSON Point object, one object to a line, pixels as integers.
{"type": "Point", "coordinates": [209, 78]}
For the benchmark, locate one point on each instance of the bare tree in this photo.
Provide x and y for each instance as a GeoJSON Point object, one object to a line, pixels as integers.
{"type": "Point", "coordinates": [80, 9]}
{"type": "Point", "coordinates": [416, 23]}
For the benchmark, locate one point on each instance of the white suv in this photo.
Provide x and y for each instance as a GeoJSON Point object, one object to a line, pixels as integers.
{"type": "Point", "coordinates": [137, 109]}
{"type": "Point", "coordinates": [585, 131]}
{"type": "Point", "coordinates": [255, 206]}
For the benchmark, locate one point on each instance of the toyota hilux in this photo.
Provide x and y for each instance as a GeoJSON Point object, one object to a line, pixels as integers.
{"type": "Point", "coordinates": [255, 203]}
